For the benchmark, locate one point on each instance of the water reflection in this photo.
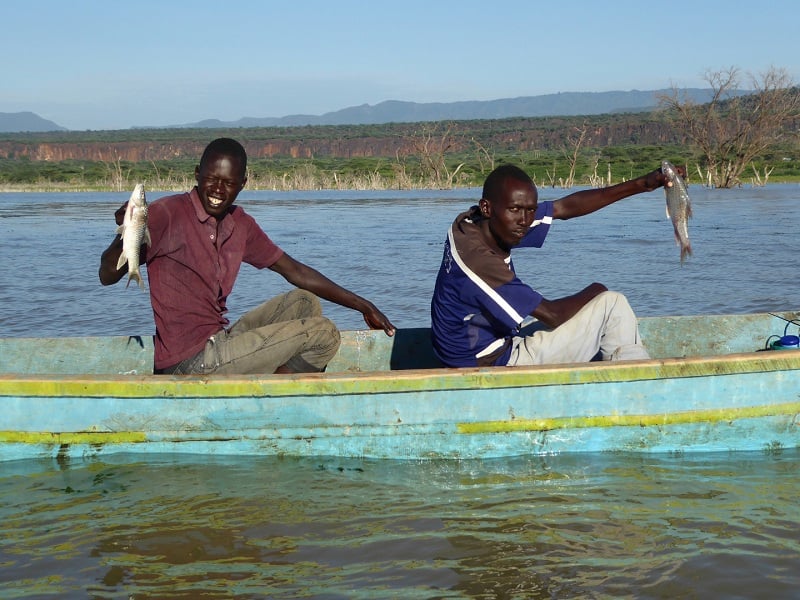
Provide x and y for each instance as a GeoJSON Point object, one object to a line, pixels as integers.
{"type": "Point", "coordinates": [536, 527]}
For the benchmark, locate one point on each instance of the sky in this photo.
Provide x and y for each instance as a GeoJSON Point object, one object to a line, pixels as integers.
{"type": "Point", "coordinates": [92, 65]}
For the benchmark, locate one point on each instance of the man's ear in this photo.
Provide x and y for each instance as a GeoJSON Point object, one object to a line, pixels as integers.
{"type": "Point", "coordinates": [486, 208]}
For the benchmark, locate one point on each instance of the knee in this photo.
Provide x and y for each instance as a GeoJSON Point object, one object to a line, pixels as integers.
{"type": "Point", "coordinates": [333, 332]}
{"type": "Point", "coordinates": [326, 328]}
{"type": "Point", "coordinates": [327, 338]}
{"type": "Point", "coordinates": [612, 296]}
{"type": "Point", "coordinates": [616, 301]}
{"type": "Point", "coordinates": [306, 298]}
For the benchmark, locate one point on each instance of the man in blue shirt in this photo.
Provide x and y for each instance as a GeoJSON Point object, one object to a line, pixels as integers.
{"type": "Point", "coordinates": [479, 304]}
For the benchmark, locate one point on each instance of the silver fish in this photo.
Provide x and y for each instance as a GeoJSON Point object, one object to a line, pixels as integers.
{"type": "Point", "coordinates": [134, 233]}
{"type": "Point", "coordinates": [679, 207]}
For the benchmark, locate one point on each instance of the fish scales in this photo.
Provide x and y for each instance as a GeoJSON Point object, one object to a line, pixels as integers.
{"type": "Point", "coordinates": [679, 208]}
{"type": "Point", "coordinates": [134, 233]}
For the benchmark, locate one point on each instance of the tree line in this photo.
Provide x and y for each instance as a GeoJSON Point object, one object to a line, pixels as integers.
{"type": "Point", "coordinates": [726, 142]}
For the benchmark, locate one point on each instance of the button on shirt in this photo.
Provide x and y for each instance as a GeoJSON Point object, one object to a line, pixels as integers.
{"type": "Point", "coordinates": [191, 268]}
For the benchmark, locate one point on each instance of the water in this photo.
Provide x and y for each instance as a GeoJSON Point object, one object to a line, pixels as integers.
{"type": "Point", "coordinates": [387, 247]}
{"type": "Point", "coordinates": [598, 526]}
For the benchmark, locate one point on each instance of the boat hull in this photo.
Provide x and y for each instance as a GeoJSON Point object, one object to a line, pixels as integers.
{"type": "Point", "coordinates": [735, 403]}
{"type": "Point", "coordinates": [741, 401]}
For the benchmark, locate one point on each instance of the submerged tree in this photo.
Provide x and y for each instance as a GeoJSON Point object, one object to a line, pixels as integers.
{"type": "Point", "coordinates": [432, 147]}
{"type": "Point", "coordinates": [734, 127]}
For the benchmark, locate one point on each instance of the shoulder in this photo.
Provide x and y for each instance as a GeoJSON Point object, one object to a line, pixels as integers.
{"type": "Point", "coordinates": [545, 208]}
{"type": "Point", "coordinates": [169, 203]}
{"type": "Point", "coordinates": [242, 218]}
{"type": "Point", "coordinates": [474, 256]}
{"type": "Point", "coordinates": [168, 212]}
{"type": "Point", "coordinates": [240, 214]}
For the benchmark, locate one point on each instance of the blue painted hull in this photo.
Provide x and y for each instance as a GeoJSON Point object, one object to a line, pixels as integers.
{"type": "Point", "coordinates": [741, 401]}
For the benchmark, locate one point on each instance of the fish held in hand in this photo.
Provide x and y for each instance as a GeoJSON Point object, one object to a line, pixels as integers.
{"type": "Point", "coordinates": [679, 207]}
{"type": "Point", "coordinates": [134, 233]}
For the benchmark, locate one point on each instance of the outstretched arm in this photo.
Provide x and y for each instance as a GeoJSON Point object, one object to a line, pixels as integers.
{"type": "Point", "coordinates": [555, 312]}
{"type": "Point", "coordinates": [306, 278]}
{"type": "Point", "coordinates": [588, 201]}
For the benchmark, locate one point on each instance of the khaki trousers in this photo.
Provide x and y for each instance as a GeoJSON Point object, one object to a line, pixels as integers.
{"type": "Point", "coordinates": [606, 325]}
{"type": "Point", "coordinates": [287, 330]}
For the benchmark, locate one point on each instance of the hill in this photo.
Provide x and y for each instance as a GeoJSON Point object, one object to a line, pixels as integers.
{"type": "Point", "coordinates": [26, 121]}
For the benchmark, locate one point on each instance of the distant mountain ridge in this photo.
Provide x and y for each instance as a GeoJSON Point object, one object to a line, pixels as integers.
{"type": "Point", "coordinates": [397, 111]}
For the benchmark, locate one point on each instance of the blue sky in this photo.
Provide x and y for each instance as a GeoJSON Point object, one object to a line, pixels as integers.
{"type": "Point", "coordinates": [113, 64]}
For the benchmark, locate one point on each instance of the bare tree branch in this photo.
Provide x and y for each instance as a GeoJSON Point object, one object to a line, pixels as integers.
{"type": "Point", "coordinates": [733, 128]}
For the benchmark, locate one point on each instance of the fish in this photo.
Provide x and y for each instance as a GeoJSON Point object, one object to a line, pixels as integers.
{"type": "Point", "coordinates": [134, 233]}
{"type": "Point", "coordinates": [679, 208]}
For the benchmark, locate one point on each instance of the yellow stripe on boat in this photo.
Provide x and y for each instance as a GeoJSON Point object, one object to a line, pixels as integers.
{"type": "Point", "coordinates": [332, 384]}
{"type": "Point", "coordinates": [79, 437]}
{"type": "Point", "coordinates": [678, 418]}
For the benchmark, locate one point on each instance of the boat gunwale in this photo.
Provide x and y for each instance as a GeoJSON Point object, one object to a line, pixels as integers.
{"type": "Point", "coordinates": [398, 381]}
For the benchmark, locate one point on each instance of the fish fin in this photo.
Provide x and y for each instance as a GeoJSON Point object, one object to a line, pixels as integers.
{"type": "Point", "coordinates": [121, 230]}
{"type": "Point", "coordinates": [688, 210]}
{"type": "Point", "coordinates": [122, 260]}
{"type": "Point", "coordinates": [146, 237]}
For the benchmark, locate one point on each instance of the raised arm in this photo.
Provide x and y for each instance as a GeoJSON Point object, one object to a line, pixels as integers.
{"type": "Point", "coordinates": [304, 277]}
{"type": "Point", "coordinates": [588, 201]}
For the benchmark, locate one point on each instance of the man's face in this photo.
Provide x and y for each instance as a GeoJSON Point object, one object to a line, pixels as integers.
{"type": "Point", "coordinates": [511, 214]}
{"type": "Point", "coordinates": [219, 181]}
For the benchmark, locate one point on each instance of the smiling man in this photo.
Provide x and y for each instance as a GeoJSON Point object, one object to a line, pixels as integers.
{"type": "Point", "coordinates": [199, 239]}
{"type": "Point", "coordinates": [479, 303]}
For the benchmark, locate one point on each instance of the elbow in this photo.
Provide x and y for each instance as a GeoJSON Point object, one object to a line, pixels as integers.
{"type": "Point", "coordinates": [108, 275]}
{"type": "Point", "coordinates": [104, 279]}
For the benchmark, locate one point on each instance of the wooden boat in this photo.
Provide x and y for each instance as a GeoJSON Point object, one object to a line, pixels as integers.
{"type": "Point", "coordinates": [714, 384]}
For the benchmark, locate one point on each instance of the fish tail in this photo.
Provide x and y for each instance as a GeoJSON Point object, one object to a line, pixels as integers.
{"type": "Point", "coordinates": [686, 250]}
{"type": "Point", "coordinates": [137, 277]}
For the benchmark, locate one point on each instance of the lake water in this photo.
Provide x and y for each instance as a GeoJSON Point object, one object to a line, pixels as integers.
{"type": "Point", "coordinates": [597, 526]}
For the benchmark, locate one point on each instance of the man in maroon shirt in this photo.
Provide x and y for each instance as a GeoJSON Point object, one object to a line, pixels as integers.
{"type": "Point", "coordinates": [199, 240]}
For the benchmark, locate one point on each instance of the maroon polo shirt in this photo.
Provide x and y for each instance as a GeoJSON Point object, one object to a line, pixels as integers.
{"type": "Point", "coordinates": [191, 268]}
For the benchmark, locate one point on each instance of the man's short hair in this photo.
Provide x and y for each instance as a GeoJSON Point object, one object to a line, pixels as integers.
{"type": "Point", "coordinates": [493, 186]}
{"type": "Point", "coordinates": [225, 147]}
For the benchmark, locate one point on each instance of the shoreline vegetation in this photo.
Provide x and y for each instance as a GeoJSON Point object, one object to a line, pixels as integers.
{"type": "Point", "coordinates": [55, 188]}
{"type": "Point", "coordinates": [303, 177]}
{"type": "Point", "coordinates": [589, 167]}
{"type": "Point", "coordinates": [557, 152]}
